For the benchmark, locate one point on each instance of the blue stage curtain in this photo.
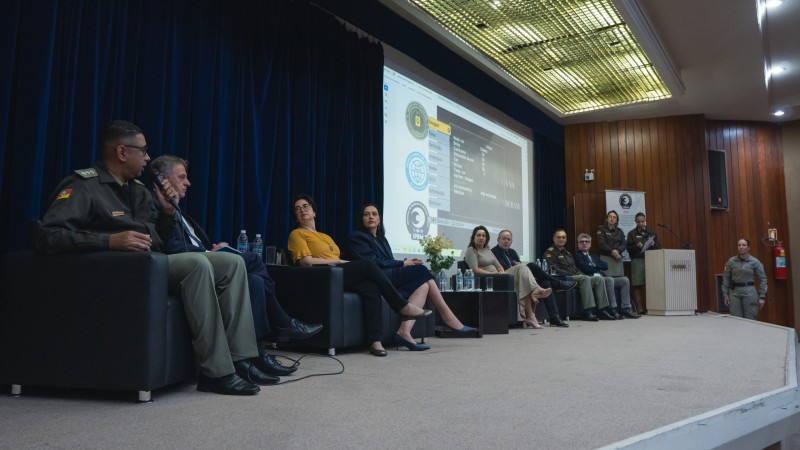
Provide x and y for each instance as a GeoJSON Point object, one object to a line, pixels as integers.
{"type": "Point", "coordinates": [266, 99]}
{"type": "Point", "coordinates": [551, 179]}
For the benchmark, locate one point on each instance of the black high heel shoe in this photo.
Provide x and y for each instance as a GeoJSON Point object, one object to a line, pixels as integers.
{"type": "Point", "coordinates": [425, 313]}
{"type": "Point", "coordinates": [412, 346]}
{"type": "Point", "coordinates": [464, 329]}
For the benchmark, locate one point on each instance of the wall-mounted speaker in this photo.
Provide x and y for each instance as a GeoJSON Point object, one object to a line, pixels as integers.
{"type": "Point", "coordinates": [718, 179]}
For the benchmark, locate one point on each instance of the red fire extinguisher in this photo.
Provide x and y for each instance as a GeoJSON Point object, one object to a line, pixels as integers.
{"type": "Point", "coordinates": [780, 261]}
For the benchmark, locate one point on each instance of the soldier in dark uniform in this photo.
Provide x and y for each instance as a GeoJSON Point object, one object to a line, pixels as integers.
{"type": "Point", "coordinates": [592, 289]}
{"type": "Point", "coordinates": [611, 242]}
{"type": "Point", "coordinates": [106, 208]}
{"type": "Point", "coordinates": [636, 241]}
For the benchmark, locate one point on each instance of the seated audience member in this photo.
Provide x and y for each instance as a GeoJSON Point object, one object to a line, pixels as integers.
{"type": "Point", "coordinates": [309, 246]}
{"type": "Point", "coordinates": [592, 265]}
{"type": "Point", "coordinates": [635, 243]}
{"type": "Point", "coordinates": [270, 320]}
{"type": "Point", "coordinates": [480, 259]}
{"type": "Point", "coordinates": [508, 257]}
{"type": "Point", "coordinates": [107, 208]}
{"type": "Point", "coordinates": [594, 298]}
{"type": "Point", "coordinates": [611, 245]}
{"type": "Point", "coordinates": [409, 276]}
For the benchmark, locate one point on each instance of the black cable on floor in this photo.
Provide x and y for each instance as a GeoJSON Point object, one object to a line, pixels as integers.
{"type": "Point", "coordinates": [296, 362]}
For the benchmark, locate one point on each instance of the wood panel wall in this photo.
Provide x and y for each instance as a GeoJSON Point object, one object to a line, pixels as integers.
{"type": "Point", "coordinates": [667, 159]}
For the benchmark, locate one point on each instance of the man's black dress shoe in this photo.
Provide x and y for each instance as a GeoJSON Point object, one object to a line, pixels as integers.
{"type": "Point", "coordinates": [627, 312]}
{"type": "Point", "coordinates": [556, 321]}
{"type": "Point", "coordinates": [565, 285]}
{"type": "Point", "coordinates": [589, 316]}
{"type": "Point", "coordinates": [298, 330]}
{"type": "Point", "coordinates": [616, 315]}
{"type": "Point", "coordinates": [267, 364]}
{"type": "Point", "coordinates": [247, 370]}
{"type": "Point", "coordinates": [604, 314]}
{"type": "Point", "coordinates": [228, 385]}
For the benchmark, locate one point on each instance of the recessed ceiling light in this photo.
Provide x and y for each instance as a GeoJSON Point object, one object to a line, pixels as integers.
{"type": "Point", "coordinates": [774, 3]}
{"type": "Point", "coordinates": [778, 113]}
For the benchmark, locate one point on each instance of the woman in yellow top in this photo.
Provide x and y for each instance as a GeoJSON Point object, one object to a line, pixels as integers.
{"type": "Point", "coordinates": [308, 247]}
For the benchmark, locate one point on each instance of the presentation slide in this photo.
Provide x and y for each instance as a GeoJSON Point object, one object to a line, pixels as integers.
{"type": "Point", "coordinates": [448, 169]}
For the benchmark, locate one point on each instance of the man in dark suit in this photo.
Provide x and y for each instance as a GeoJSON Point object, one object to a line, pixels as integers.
{"type": "Point", "coordinates": [593, 266]}
{"type": "Point", "coordinates": [270, 320]}
{"type": "Point", "coordinates": [508, 257]}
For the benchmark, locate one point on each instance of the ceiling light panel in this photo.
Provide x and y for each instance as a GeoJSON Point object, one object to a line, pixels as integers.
{"type": "Point", "coordinates": [577, 55]}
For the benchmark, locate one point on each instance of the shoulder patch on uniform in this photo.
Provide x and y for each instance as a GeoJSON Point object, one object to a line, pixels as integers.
{"type": "Point", "coordinates": [64, 194]}
{"type": "Point", "coordinates": [138, 182]}
{"type": "Point", "coordinates": [599, 232]}
{"type": "Point", "coordinates": [550, 249]}
{"type": "Point", "coordinates": [86, 173]}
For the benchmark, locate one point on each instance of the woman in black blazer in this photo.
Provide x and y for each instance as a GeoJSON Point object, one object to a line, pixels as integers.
{"type": "Point", "coordinates": [409, 276]}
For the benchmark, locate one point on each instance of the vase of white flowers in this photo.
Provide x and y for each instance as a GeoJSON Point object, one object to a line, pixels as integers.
{"type": "Point", "coordinates": [436, 249]}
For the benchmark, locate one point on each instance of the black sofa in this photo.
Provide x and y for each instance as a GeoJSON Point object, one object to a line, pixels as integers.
{"type": "Point", "coordinates": [316, 295]}
{"type": "Point", "coordinates": [100, 320]}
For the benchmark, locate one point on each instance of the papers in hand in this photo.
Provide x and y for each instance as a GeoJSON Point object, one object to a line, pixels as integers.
{"type": "Point", "coordinates": [648, 243]}
{"type": "Point", "coordinates": [225, 248]}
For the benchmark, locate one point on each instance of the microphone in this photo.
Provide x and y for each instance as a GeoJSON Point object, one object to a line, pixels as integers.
{"type": "Point", "coordinates": [160, 179]}
{"type": "Point", "coordinates": [686, 243]}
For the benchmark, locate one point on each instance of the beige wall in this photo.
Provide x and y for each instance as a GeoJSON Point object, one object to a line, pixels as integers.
{"type": "Point", "coordinates": [791, 159]}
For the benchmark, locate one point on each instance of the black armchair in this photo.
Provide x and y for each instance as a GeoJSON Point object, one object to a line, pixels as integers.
{"type": "Point", "coordinates": [100, 320]}
{"type": "Point", "coordinates": [316, 295]}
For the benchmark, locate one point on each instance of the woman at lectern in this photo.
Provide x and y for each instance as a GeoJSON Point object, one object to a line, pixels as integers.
{"type": "Point", "coordinates": [480, 259]}
{"type": "Point", "coordinates": [738, 283]}
{"type": "Point", "coordinates": [309, 246]}
{"type": "Point", "coordinates": [409, 276]}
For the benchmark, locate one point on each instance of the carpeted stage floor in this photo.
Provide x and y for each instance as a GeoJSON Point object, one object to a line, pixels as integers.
{"type": "Point", "coordinates": [584, 387]}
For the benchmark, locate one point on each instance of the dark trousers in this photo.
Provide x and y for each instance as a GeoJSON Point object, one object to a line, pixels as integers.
{"type": "Point", "coordinates": [546, 281]}
{"type": "Point", "coordinates": [267, 312]}
{"type": "Point", "coordinates": [367, 280]}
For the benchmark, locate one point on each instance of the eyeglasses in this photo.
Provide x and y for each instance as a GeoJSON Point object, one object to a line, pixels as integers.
{"type": "Point", "coordinates": [303, 207]}
{"type": "Point", "coordinates": [141, 149]}
{"type": "Point", "coordinates": [584, 242]}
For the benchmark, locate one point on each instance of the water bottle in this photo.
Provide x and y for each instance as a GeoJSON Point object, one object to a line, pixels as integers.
{"type": "Point", "coordinates": [544, 266]}
{"type": "Point", "coordinates": [470, 280]}
{"type": "Point", "coordinates": [258, 247]}
{"type": "Point", "coordinates": [459, 281]}
{"type": "Point", "coordinates": [241, 243]}
{"type": "Point", "coordinates": [539, 262]}
{"type": "Point", "coordinates": [442, 281]}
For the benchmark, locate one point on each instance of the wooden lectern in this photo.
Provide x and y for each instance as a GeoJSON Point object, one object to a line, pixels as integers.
{"type": "Point", "coordinates": [671, 282]}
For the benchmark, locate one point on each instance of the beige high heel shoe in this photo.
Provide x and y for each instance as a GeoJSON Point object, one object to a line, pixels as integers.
{"type": "Point", "coordinates": [542, 293]}
{"type": "Point", "coordinates": [531, 323]}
